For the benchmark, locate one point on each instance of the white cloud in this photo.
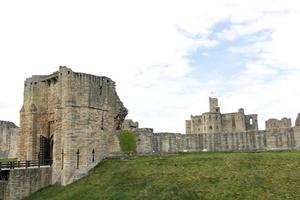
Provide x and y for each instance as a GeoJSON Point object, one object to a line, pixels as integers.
{"type": "Point", "coordinates": [139, 45]}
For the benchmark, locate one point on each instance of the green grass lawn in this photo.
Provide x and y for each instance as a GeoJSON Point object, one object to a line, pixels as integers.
{"type": "Point", "coordinates": [273, 176]}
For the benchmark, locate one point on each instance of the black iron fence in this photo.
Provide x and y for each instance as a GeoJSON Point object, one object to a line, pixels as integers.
{"type": "Point", "coordinates": [24, 164]}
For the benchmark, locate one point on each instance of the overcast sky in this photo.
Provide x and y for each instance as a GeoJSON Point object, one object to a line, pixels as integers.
{"type": "Point", "coordinates": [167, 57]}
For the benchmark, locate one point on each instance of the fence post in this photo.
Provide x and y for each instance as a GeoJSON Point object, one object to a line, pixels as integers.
{"type": "Point", "coordinates": [77, 158]}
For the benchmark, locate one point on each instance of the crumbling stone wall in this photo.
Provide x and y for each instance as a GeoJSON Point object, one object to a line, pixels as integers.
{"type": "Point", "coordinates": [78, 113]}
{"type": "Point", "coordinates": [9, 139]}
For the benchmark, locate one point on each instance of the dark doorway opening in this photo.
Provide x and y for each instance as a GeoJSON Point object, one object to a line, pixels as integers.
{"type": "Point", "coordinates": [46, 149]}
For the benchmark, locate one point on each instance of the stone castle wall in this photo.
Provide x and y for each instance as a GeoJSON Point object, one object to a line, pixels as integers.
{"type": "Point", "coordinates": [9, 139]}
{"type": "Point", "coordinates": [279, 139]}
{"type": "Point", "coordinates": [80, 115]}
{"type": "Point", "coordinates": [23, 182]}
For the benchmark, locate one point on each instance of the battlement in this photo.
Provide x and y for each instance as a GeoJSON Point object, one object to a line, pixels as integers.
{"type": "Point", "coordinates": [65, 73]}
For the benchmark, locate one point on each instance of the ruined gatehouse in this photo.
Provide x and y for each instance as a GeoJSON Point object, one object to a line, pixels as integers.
{"type": "Point", "coordinates": [72, 119]}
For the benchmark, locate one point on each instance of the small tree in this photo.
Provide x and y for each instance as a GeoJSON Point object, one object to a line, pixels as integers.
{"type": "Point", "coordinates": [128, 142]}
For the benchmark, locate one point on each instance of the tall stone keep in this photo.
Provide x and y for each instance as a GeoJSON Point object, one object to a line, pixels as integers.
{"type": "Point", "coordinates": [70, 118]}
{"type": "Point", "coordinates": [216, 122]}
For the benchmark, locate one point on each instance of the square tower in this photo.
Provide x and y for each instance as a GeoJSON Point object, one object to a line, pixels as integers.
{"type": "Point", "coordinates": [213, 105]}
{"type": "Point", "coordinates": [72, 119]}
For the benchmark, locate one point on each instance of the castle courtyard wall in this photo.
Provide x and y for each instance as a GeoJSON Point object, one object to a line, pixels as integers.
{"type": "Point", "coordinates": [250, 141]}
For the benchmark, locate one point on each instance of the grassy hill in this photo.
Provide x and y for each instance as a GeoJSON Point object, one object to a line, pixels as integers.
{"type": "Point", "coordinates": [273, 176]}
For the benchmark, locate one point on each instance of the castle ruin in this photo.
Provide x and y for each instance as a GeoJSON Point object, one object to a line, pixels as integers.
{"type": "Point", "coordinates": [72, 119]}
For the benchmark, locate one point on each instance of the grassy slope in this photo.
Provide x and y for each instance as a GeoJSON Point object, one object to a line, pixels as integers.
{"type": "Point", "coordinates": [189, 176]}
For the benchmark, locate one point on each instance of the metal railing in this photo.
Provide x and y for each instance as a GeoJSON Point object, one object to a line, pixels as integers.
{"type": "Point", "coordinates": [24, 164]}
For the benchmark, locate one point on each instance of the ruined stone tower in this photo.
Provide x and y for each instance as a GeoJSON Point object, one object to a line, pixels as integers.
{"type": "Point", "coordinates": [72, 119]}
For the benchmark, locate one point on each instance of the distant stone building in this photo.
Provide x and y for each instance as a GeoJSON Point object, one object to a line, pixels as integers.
{"type": "Point", "coordinates": [216, 122]}
{"type": "Point", "coordinates": [71, 118]}
{"type": "Point", "coordinates": [9, 139]}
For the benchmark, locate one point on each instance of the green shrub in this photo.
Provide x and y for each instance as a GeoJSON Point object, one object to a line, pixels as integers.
{"type": "Point", "coordinates": [128, 142]}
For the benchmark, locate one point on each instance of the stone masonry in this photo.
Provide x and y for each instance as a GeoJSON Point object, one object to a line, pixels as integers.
{"type": "Point", "coordinates": [23, 182]}
{"type": "Point", "coordinates": [71, 118]}
{"type": "Point", "coordinates": [149, 142]}
{"type": "Point", "coordinates": [9, 139]}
